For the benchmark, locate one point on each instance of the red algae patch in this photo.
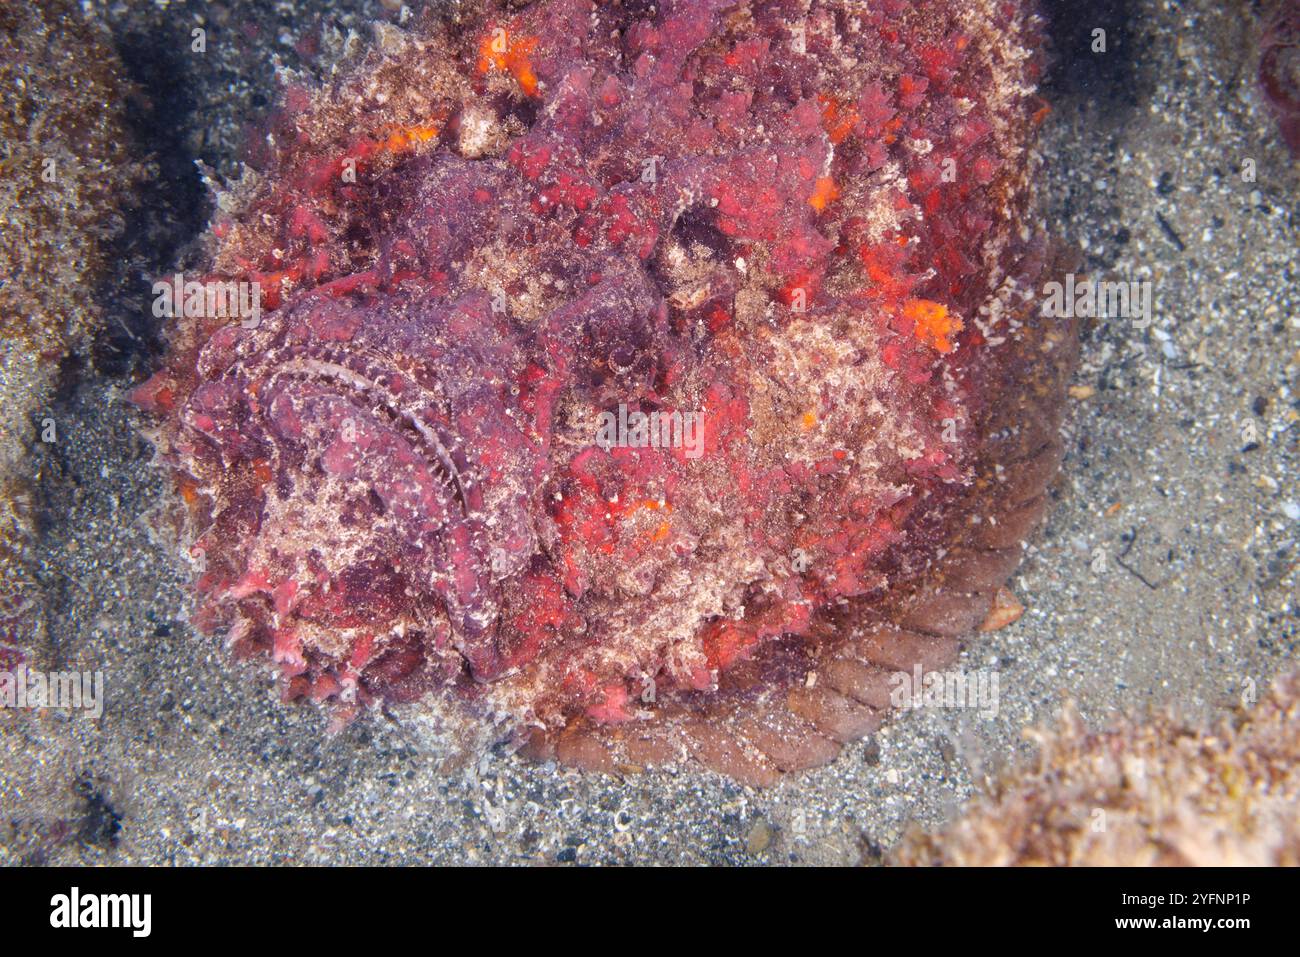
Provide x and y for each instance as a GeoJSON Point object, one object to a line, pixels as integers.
{"type": "Point", "coordinates": [644, 383]}
{"type": "Point", "coordinates": [1162, 792]}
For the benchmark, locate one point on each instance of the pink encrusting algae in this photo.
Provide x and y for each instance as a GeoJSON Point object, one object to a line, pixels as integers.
{"type": "Point", "coordinates": [797, 239]}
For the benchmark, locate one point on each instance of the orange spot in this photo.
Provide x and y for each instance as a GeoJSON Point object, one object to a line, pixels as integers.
{"type": "Point", "coordinates": [809, 420]}
{"type": "Point", "coordinates": [891, 130]}
{"type": "Point", "coordinates": [402, 140]}
{"type": "Point", "coordinates": [650, 503]}
{"type": "Point", "coordinates": [501, 52]}
{"type": "Point", "coordinates": [931, 323]}
{"type": "Point", "coordinates": [262, 471]}
{"type": "Point", "coordinates": [836, 119]}
{"type": "Point", "coordinates": [823, 193]}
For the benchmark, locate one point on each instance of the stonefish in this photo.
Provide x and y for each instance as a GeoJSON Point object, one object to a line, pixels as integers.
{"type": "Point", "coordinates": [642, 382]}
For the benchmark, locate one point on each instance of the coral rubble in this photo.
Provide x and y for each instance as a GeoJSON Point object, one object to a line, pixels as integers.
{"type": "Point", "coordinates": [64, 176]}
{"type": "Point", "coordinates": [1160, 793]}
